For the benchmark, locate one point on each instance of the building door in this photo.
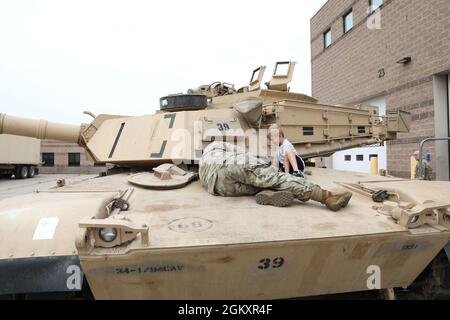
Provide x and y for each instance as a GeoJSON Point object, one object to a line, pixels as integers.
{"type": "Point", "coordinates": [448, 114]}
{"type": "Point", "coordinates": [441, 127]}
{"type": "Point", "coordinates": [359, 159]}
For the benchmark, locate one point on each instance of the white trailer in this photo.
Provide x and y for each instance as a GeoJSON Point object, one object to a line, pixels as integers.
{"type": "Point", "coordinates": [19, 156]}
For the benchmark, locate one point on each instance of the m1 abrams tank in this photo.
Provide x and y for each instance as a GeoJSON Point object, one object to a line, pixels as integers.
{"type": "Point", "coordinates": [148, 230]}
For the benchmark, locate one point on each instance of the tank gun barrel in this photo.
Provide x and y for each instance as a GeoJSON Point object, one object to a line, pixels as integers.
{"type": "Point", "coordinates": [40, 129]}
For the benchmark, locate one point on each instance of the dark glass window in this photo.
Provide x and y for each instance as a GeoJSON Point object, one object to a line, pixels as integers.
{"type": "Point", "coordinates": [308, 131]}
{"type": "Point", "coordinates": [348, 158]}
{"type": "Point", "coordinates": [74, 159]}
{"type": "Point", "coordinates": [99, 164]}
{"type": "Point", "coordinates": [361, 129]}
{"type": "Point", "coordinates": [327, 38]}
{"type": "Point", "coordinates": [348, 21]}
{"type": "Point", "coordinates": [360, 157]}
{"type": "Point", "coordinates": [375, 4]}
{"type": "Point", "coordinates": [48, 159]}
{"type": "Point", "coordinates": [255, 75]}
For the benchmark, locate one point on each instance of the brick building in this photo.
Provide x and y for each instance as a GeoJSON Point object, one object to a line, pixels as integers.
{"type": "Point", "coordinates": [394, 53]}
{"type": "Point", "coordinates": [60, 157]}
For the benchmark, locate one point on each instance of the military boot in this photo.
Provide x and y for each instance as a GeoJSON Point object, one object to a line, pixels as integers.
{"type": "Point", "coordinates": [333, 201]}
{"type": "Point", "coordinates": [275, 198]}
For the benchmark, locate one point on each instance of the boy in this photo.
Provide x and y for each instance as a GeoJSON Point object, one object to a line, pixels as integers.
{"type": "Point", "coordinates": [288, 160]}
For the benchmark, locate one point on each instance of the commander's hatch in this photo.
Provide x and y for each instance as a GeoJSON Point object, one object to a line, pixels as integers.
{"type": "Point", "coordinates": [257, 76]}
{"type": "Point", "coordinates": [282, 75]}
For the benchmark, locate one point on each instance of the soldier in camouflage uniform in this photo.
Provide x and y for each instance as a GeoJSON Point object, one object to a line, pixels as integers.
{"type": "Point", "coordinates": [424, 171]}
{"type": "Point", "coordinates": [228, 170]}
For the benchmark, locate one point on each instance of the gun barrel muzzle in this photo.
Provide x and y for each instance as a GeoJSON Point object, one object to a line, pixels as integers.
{"type": "Point", "coordinates": [40, 129]}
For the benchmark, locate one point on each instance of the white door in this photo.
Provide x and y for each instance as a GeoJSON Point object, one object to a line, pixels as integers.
{"type": "Point", "coordinates": [359, 159]}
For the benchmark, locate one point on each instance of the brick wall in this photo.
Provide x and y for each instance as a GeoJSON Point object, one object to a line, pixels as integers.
{"type": "Point", "coordinates": [349, 70]}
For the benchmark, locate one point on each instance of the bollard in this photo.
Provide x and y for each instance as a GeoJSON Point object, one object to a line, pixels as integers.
{"type": "Point", "coordinates": [413, 167]}
{"type": "Point", "coordinates": [374, 165]}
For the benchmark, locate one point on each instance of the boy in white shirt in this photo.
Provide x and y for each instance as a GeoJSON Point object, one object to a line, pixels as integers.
{"type": "Point", "coordinates": [287, 160]}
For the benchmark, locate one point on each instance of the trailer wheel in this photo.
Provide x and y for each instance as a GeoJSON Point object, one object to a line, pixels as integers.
{"type": "Point", "coordinates": [21, 172]}
{"type": "Point", "coordinates": [31, 172]}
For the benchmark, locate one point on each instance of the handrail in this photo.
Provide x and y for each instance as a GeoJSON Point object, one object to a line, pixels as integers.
{"type": "Point", "coordinates": [422, 144]}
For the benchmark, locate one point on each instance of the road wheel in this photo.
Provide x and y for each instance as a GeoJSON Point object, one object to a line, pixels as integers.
{"type": "Point", "coordinates": [21, 172]}
{"type": "Point", "coordinates": [31, 172]}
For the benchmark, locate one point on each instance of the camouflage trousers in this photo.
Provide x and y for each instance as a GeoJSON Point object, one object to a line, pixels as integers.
{"type": "Point", "coordinates": [424, 172]}
{"type": "Point", "coordinates": [229, 171]}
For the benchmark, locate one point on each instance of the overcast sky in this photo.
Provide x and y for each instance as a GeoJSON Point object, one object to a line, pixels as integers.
{"type": "Point", "coordinates": [60, 57]}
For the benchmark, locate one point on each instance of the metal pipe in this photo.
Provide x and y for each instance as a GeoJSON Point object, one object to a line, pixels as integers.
{"type": "Point", "coordinates": [39, 129]}
{"type": "Point", "coordinates": [325, 150]}
{"type": "Point", "coordinates": [422, 144]}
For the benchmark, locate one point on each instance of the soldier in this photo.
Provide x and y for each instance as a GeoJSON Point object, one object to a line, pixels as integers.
{"type": "Point", "coordinates": [423, 172]}
{"type": "Point", "coordinates": [228, 170]}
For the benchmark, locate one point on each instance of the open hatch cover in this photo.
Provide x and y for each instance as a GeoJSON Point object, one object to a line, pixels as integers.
{"type": "Point", "coordinates": [164, 177]}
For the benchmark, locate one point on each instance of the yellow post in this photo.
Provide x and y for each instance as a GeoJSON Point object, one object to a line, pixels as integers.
{"type": "Point", "coordinates": [413, 167]}
{"type": "Point", "coordinates": [374, 165]}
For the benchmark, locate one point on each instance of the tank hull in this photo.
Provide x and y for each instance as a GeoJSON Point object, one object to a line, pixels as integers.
{"type": "Point", "coordinates": [201, 246]}
{"type": "Point", "coordinates": [273, 270]}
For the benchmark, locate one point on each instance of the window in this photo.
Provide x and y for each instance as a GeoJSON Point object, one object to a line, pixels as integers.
{"type": "Point", "coordinates": [282, 69]}
{"type": "Point", "coordinates": [374, 5]}
{"type": "Point", "coordinates": [308, 131]}
{"type": "Point", "coordinates": [327, 38]}
{"type": "Point", "coordinates": [360, 157]}
{"type": "Point", "coordinates": [99, 164]}
{"type": "Point", "coordinates": [348, 158]}
{"type": "Point", "coordinates": [74, 159]}
{"type": "Point", "coordinates": [48, 159]}
{"type": "Point", "coordinates": [255, 75]}
{"type": "Point", "coordinates": [348, 21]}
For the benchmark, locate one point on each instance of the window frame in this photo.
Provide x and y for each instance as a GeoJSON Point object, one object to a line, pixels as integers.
{"type": "Point", "coordinates": [348, 157]}
{"type": "Point", "coordinates": [349, 12]}
{"type": "Point", "coordinates": [279, 65]}
{"type": "Point", "coordinates": [371, 9]}
{"type": "Point", "coordinates": [359, 157]}
{"type": "Point", "coordinates": [325, 38]}
{"type": "Point", "coordinates": [255, 75]}
{"type": "Point", "coordinates": [71, 163]}
{"type": "Point", "coordinates": [44, 163]}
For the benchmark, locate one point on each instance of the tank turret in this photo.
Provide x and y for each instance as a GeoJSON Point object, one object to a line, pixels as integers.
{"type": "Point", "coordinates": [186, 123]}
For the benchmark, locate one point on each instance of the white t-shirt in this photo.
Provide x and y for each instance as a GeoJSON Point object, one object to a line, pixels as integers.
{"type": "Point", "coordinates": [286, 145]}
